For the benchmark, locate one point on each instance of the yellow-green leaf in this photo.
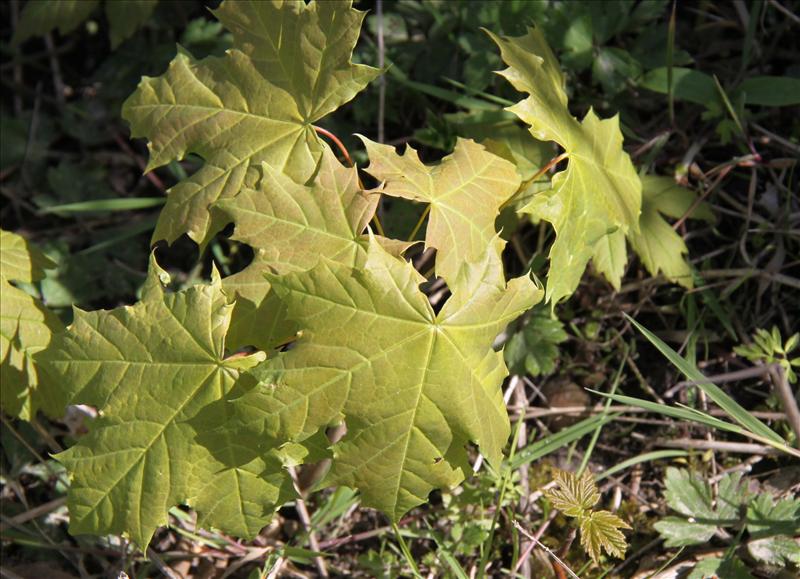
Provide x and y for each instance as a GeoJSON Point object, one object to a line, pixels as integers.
{"type": "Point", "coordinates": [599, 192]}
{"type": "Point", "coordinates": [659, 246]}
{"type": "Point", "coordinates": [465, 191]}
{"type": "Point", "coordinates": [26, 327]}
{"type": "Point", "coordinates": [291, 226]}
{"type": "Point", "coordinates": [574, 495]}
{"type": "Point", "coordinates": [600, 530]}
{"type": "Point", "coordinates": [289, 67]}
{"type": "Point", "coordinates": [413, 387]}
{"type": "Point", "coordinates": [157, 371]}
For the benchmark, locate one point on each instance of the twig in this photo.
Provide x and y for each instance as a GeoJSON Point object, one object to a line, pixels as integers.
{"type": "Point", "coordinates": [381, 78]}
{"type": "Point", "coordinates": [302, 511]}
{"type": "Point", "coordinates": [546, 550]}
{"type": "Point", "coordinates": [781, 384]}
{"type": "Point", "coordinates": [34, 513]}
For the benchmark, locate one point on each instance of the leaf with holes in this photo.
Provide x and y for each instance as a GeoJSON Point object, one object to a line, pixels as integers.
{"type": "Point", "coordinates": [599, 192]}
{"type": "Point", "coordinates": [414, 387]}
{"type": "Point", "coordinates": [288, 68]}
{"type": "Point", "coordinates": [152, 369]}
{"type": "Point", "coordinates": [290, 226]}
{"type": "Point", "coordinates": [26, 327]}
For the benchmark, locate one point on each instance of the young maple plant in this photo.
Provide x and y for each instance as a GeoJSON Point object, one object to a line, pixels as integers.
{"type": "Point", "coordinates": [199, 405]}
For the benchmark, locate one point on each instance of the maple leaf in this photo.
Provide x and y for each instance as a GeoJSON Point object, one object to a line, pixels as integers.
{"type": "Point", "coordinates": [659, 246]}
{"type": "Point", "coordinates": [152, 369]}
{"type": "Point", "coordinates": [290, 226]}
{"type": "Point", "coordinates": [288, 68]}
{"type": "Point", "coordinates": [414, 387]}
{"type": "Point", "coordinates": [465, 191]}
{"type": "Point", "coordinates": [26, 327]}
{"type": "Point", "coordinates": [599, 192]}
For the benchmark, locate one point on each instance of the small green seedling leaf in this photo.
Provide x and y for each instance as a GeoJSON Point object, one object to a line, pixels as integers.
{"type": "Point", "coordinates": [600, 530]}
{"type": "Point", "coordinates": [574, 496]}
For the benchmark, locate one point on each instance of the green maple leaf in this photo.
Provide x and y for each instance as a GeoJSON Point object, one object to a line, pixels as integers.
{"type": "Point", "coordinates": [599, 192]}
{"type": "Point", "coordinates": [290, 226]}
{"type": "Point", "coordinates": [658, 245]}
{"type": "Point", "coordinates": [42, 16]}
{"type": "Point", "coordinates": [574, 496]}
{"type": "Point", "coordinates": [601, 530]}
{"type": "Point", "coordinates": [155, 371]}
{"type": "Point", "coordinates": [465, 191]}
{"type": "Point", "coordinates": [288, 68]}
{"type": "Point", "coordinates": [414, 387]}
{"type": "Point", "coordinates": [26, 327]}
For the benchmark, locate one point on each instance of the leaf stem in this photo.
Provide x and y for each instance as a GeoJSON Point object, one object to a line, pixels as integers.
{"type": "Point", "coordinates": [507, 469]}
{"type": "Point", "coordinates": [340, 145]}
{"type": "Point", "coordinates": [422, 217]}
{"type": "Point", "coordinates": [550, 164]}
{"type": "Point", "coordinates": [337, 142]}
{"type": "Point", "coordinates": [406, 552]}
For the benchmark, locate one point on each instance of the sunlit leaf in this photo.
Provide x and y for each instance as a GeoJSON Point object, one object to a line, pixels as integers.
{"type": "Point", "coordinates": [574, 495]}
{"type": "Point", "coordinates": [600, 530]}
{"type": "Point", "coordinates": [465, 191]}
{"type": "Point", "coordinates": [288, 68]}
{"type": "Point", "coordinates": [152, 369]}
{"type": "Point", "coordinates": [413, 387]}
{"type": "Point", "coordinates": [26, 327]}
{"type": "Point", "coordinates": [599, 192]}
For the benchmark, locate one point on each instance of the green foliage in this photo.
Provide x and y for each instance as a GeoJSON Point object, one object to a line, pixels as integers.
{"type": "Point", "coordinates": [691, 497]}
{"type": "Point", "coordinates": [412, 386]}
{"type": "Point", "coordinates": [769, 348]}
{"type": "Point", "coordinates": [599, 192]}
{"type": "Point", "coordinates": [534, 348]}
{"type": "Point", "coordinates": [40, 17]}
{"type": "Point", "coordinates": [660, 248]}
{"type": "Point", "coordinates": [206, 395]}
{"type": "Point", "coordinates": [470, 177]}
{"type": "Point", "coordinates": [576, 497]}
{"type": "Point", "coordinates": [153, 369]}
{"type": "Point", "coordinates": [772, 527]}
{"type": "Point", "coordinates": [297, 54]}
{"type": "Point", "coordinates": [26, 327]}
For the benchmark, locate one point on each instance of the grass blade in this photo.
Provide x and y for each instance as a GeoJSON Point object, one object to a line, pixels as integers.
{"type": "Point", "coordinates": [646, 457]}
{"type": "Point", "coordinates": [121, 204]}
{"type": "Point", "coordinates": [728, 404]}
{"type": "Point", "coordinates": [550, 444]}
